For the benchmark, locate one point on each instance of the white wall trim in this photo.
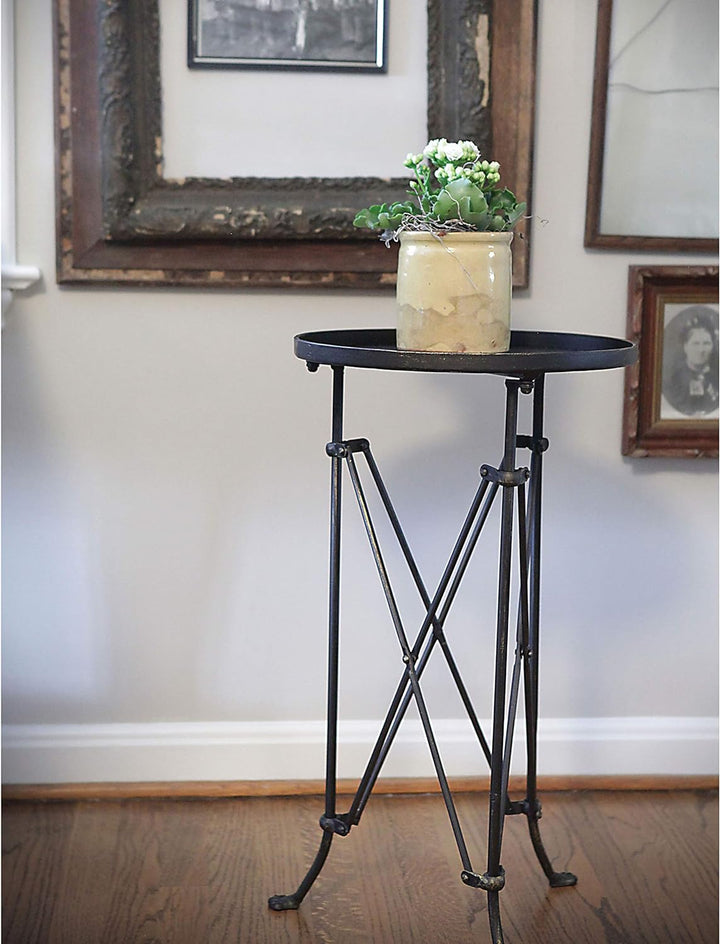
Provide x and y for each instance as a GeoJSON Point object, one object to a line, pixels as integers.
{"type": "Point", "coordinates": [294, 750]}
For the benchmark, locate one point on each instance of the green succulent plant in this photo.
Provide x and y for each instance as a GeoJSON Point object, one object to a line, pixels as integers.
{"type": "Point", "coordinates": [453, 188]}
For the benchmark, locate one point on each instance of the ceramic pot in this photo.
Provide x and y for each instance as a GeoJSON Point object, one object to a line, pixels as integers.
{"type": "Point", "coordinates": [453, 292]}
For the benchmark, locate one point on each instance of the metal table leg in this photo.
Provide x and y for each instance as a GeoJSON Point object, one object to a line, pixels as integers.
{"type": "Point", "coordinates": [508, 479]}
{"type": "Point", "coordinates": [328, 822]}
{"type": "Point", "coordinates": [533, 810]}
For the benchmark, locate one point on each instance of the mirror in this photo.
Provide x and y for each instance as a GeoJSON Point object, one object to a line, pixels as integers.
{"type": "Point", "coordinates": [653, 180]}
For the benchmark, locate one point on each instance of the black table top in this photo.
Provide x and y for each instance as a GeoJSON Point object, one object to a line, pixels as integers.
{"type": "Point", "coordinates": [531, 353]}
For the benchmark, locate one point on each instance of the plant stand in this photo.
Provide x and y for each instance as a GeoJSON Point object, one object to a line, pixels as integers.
{"type": "Point", "coordinates": [524, 366]}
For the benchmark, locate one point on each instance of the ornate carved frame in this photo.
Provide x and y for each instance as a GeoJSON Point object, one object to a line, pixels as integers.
{"type": "Point", "coordinates": [120, 221]}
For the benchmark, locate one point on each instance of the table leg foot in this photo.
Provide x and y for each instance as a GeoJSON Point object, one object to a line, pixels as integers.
{"type": "Point", "coordinates": [556, 879]}
{"type": "Point", "coordinates": [283, 903]}
{"type": "Point", "coordinates": [292, 902]}
{"type": "Point", "coordinates": [496, 930]}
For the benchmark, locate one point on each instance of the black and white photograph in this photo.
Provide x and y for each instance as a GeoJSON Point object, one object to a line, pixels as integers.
{"type": "Point", "coordinates": [343, 35]}
{"type": "Point", "coordinates": [690, 362]}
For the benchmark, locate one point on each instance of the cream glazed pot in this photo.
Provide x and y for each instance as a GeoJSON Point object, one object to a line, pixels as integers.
{"type": "Point", "coordinates": [454, 292]}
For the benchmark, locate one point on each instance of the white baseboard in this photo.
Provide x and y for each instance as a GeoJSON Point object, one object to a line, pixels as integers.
{"type": "Point", "coordinates": [295, 750]}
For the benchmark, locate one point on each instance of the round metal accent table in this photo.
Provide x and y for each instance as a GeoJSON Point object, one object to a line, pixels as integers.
{"type": "Point", "coordinates": [532, 355]}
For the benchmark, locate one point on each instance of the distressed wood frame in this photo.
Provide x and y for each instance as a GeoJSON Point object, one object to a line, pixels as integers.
{"type": "Point", "coordinates": [594, 238]}
{"type": "Point", "coordinates": [644, 432]}
{"type": "Point", "coordinates": [120, 221]}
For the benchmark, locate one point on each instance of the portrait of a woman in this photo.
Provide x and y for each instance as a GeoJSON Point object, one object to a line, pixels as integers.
{"type": "Point", "coordinates": [690, 361]}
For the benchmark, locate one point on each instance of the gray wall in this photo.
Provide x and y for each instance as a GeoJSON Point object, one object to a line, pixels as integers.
{"type": "Point", "coordinates": [165, 490]}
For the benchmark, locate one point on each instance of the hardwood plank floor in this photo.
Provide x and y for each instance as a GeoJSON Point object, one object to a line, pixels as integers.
{"type": "Point", "coordinates": [194, 871]}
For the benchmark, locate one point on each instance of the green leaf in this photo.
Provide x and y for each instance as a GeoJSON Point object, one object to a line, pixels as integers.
{"type": "Point", "coordinates": [502, 200]}
{"type": "Point", "coordinates": [369, 217]}
{"type": "Point", "coordinates": [381, 216]}
{"type": "Point", "coordinates": [516, 214]}
{"type": "Point", "coordinates": [461, 199]}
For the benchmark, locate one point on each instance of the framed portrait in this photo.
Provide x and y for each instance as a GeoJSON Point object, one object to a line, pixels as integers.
{"type": "Point", "coordinates": [122, 219]}
{"type": "Point", "coordinates": [341, 35]}
{"type": "Point", "coordinates": [652, 175]}
{"type": "Point", "coordinates": [672, 393]}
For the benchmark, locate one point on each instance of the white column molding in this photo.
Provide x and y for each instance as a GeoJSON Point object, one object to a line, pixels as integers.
{"type": "Point", "coordinates": [14, 277]}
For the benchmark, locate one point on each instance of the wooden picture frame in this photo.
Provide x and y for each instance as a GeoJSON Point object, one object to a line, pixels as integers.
{"type": "Point", "coordinates": [119, 221]}
{"type": "Point", "coordinates": [637, 139]}
{"type": "Point", "coordinates": [276, 36]}
{"type": "Point", "coordinates": [671, 392]}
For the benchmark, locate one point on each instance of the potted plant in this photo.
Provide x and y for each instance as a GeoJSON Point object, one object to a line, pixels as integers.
{"type": "Point", "coordinates": [455, 267]}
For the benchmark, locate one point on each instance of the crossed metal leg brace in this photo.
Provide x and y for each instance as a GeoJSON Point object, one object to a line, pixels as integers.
{"type": "Point", "coordinates": [506, 479]}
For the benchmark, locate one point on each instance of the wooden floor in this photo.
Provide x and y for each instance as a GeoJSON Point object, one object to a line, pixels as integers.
{"type": "Point", "coordinates": [200, 872]}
